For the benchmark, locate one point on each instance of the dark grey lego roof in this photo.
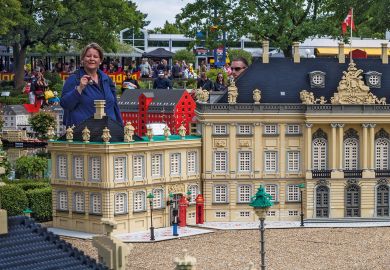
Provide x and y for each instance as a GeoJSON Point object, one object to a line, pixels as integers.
{"type": "Point", "coordinates": [163, 99]}
{"type": "Point", "coordinates": [15, 110]}
{"type": "Point", "coordinates": [28, 246]}
{"type": "Point", "coordinates": [283, 75]}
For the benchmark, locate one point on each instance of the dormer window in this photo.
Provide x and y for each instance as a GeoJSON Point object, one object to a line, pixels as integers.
{"type": "Point", "coordinates": [373, 79]}
{"type": "Point", "coordinates": [317, 79]}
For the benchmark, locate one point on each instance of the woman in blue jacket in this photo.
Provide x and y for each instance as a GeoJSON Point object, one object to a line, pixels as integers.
{"type": "Point", "coordinates": [85, 86]}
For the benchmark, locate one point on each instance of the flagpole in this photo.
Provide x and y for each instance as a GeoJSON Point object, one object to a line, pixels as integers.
{"type": "Point", "coordinates": [350, 42]}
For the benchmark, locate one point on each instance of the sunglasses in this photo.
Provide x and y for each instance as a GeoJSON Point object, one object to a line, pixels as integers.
{"type": "Point", "coordinates": [238, 68]}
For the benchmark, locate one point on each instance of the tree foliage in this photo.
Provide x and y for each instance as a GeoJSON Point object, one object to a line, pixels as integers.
{"type": "Point", "coordinates": [235, 53]}
{"type": "Point", "coordinates": [30, 167]}
{"type": "Point", "coordinates": [280, 21]}
{"type": "Point", "coordinates": [66, 23]}
{"type": "Point", "coordinates": [9, 14]}
{"type": "Point", "coordinates": [41, 121]}
{"type": "Point", "coordinates": [168, 28]}
{"type": "Point", "coordinates": [185, 55]}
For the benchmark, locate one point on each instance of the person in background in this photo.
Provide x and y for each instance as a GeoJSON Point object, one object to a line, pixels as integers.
{"type": "Point", "coordinates": [204, 82]}
{"type": "Point", "coordinates": [38, 86]}
{"type": "Point", "coordinates": [85, 86]}
{"type": "Point", "coordinates": [129, 82]}
{"type": "Point", "coordinates": [239, 65]}
{"type": "Point", "coordinates": [227, 69]}
{"type": "Point", "coordinates": [161, 82]}
{"type": "Point", "coordinates": [145, 68]}
{"type": "Point", "coordinates": [176, 70]}
{"type": "Point", "coordinates": [219, 84]}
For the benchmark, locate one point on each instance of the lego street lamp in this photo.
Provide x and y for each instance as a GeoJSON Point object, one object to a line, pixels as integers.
{"type": "Point", "coordinates": [301, 187]}
{"type": "Point", "coordinates": [151, 197]}
{"type": "Point", "coordinates": [260, 203]}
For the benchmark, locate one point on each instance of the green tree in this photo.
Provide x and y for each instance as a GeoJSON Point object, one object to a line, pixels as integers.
{"type": "Point", "coordinates": [9, 11]}
{"type": "Point", "coordinates": [234, 53]}
{"type": "Point", "coordinates": [30, 167]}
{"type": "Point", "coordinates": [40, 123]}
{"type": "Point", "coordinates": [185, 55]}
{"type": "Point", "coordinates": [71, 22]}
{"type": "Point", "coordinates": [168, 28]}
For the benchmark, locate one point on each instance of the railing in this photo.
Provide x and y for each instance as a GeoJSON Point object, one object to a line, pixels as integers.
{"type": "Point", "coordinates": [353, 173]}
{"type": "Point", "coordinates": [321, 173]}
{"type": "Point", "coordinates": [382, 173]}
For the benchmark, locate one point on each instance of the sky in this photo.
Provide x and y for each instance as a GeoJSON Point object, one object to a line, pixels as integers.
{"type": "Point", "coordinates": [160, 10]}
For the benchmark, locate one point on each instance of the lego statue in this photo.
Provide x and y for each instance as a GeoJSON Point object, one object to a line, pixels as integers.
{"type": "Point", "coordinates": [182, 131]}
{"type": "Point", "coordinates": [256, 96]}
{"type": "Point", "coordinates": [106, 135]}
{"type": "Point", "coordinates": [232, 93]}
{"type": "Point", "coordinates": [86, 134]}
{"type": "Point", "coordinates": [167, 132]}
{"type": "Point", "coordinates": [50, 133]}
{"type": "Point", "coordinates": [129, 132]}
{"type": "Point", "coordinates": [69, 134]}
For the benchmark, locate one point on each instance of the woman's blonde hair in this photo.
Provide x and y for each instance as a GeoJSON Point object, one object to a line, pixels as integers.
{"type": "Point", "coordinates": [92, 45]}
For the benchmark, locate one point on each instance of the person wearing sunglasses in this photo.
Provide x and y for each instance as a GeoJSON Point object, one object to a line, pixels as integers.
{"type": "Point", "coordinates": [239, 65]}
{"type": "Point", "coordinates": [219, 84]}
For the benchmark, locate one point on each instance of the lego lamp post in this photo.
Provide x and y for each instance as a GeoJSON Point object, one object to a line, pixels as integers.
{"type": "Point", "coordinates": [260, 203]}
{"type": "Point", "coordinates": [301, 187]}
{"type": "Point", "coordinates": [151, 197]}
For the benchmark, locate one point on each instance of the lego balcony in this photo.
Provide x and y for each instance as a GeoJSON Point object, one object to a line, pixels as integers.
{"type": "Point", "coordinates": [382, 173]}
{"type": "Point", "coordinates": [321, 173]}
{"type": "Point", "coordinates": [353, 173]}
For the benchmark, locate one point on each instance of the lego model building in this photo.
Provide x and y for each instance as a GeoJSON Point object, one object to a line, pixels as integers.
{"type": "Point", "coordinates": [321, 122]}
{"type": "Point", "coordinates": [102, 170]}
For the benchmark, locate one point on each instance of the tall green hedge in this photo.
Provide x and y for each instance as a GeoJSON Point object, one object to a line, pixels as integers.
{"type": "Point", "coordinates": [13, 199]}
{"type": "Point", "coordinates": [40, 203]}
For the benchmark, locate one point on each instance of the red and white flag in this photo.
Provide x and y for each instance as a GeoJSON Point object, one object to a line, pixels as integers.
{"type": "Point", "coordinates": [348, 21]}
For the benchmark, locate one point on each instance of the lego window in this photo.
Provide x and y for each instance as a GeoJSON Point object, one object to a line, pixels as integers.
{"type": "Point", "coordinates": [194, 189]}
{"type": "Point", "coordinates": [293, 161]}
{"type": "Point", "coordinates": [158, 198]}
{"type": "Point", "coordinates": [271, 158]}
{"type": "Point", "coordinates": [293, 129]}
{"type": "Point", "coordinates": [120, 203]}
{"type": "Point", "coordinates": [78, 167]}
{"type": "Point", "coordinates": [95, 168]}
{"type": "Point", "coordinates": [120, 169]}
{"type": "Point", "coordinates": [319, 154]}
{"type": "Point", "coordinates": [191, 162]}
{"type": "Point", "coordinates": [373, 79]}
{"type": "Point", "coordinates": [220, 194]}
{"type": "Point", "coordinates": [351, 156]}
{"type": "Point", "coordinates": [78, 202]}
{"type": "Point", "coordinates": [244, 161]}
{"type": "Point", "coordinates": [244, 193]}
{"type": "Point", "coordinates": [156, 165]}
{"type": "Point", "coordinates": [62, 166]}
{"type": "Point", "coordinates": [293, 193]}
{"type": "Point", "coordinates": [381, 154]}
{"type": "Point", "coordinates": [273, 191]}
{"type": "Point", "coordinates": [96, 203]}
{"type": "Point", "coordinates": [62, 200]}
{"type": "Point", "coordinates": [244, 213]}
{"type": "Point", "coordinates": [139, 201]}
{"type": "Point", "coordinates": [317, 79]}
{"type": "Point", "coordinates": [270, 129]}
{"type": "Point", "coordinates": [220, 129]}
{"type": "Point", "coordinates": [175, 164]}
{"type": "Point", "coordinates": [138, 167]}
{"type": "Point", "coordinates": [244, 129]}
{"type": "Point", "coordinates": [220, 161]}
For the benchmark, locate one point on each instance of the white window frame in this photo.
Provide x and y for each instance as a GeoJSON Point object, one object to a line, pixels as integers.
{"type": "Point", "coordinates": [95, 170]}
{"type": "Point", "coordinates": [220, 129]}
{"type": "Point", "coordinates": [120, 203]}
{"type": "Point", "coordinates": [79, 202]}
{"type": "Point", "coordinates": [175, 163]}
{"type": "Point", "coordinates": [244, 161]}
{"type": "Point", "coordinates": [220, 161]}
{"type": "Point", "coordinates": [351, 154]}
{"type": "Point", "coordinates": [220, 193]}
{"type": "Point", "coordinates": [157, 165]}
{"type": "Point", "coordinates": [120, 168]}
{"type": "Point", "coordinates": [62, 166]}
{"type": "Point", "coordinates": [78, 167]}
{"type": "Point", "coordinates": [192, 162]}
{"type": "Point", "coordinates": [139, 201]}
{"type": "Point", "coordinates": [138, 167]}
{"type": "Point", "coordinates": [220, 214]}
{"type": "Point", "coordinates": [319, 154]}
{"type": "Point", "coordinates": [382, 146]}
{"type": "Point", "coordinates": [194, 189]}
{"type": "Point", "coordinates": [272, 189]}
{"type": "Point", "coordinates": [293, 193]}
{"type": "Point", "coordinates": [62, 200]}
{"type": "Point", "coordinates": [245, 214]}
{"type": "Point", "coordinates": [244, 193]}
{"type": "Point", "coordinates": [293, 161]}
{"type": "Point", "coordinates": [271, 129]}
{"type": "Point", "coordinates": [270, 161]}
{"type": "Point", "coordinates": [158, 200]}
{"type": "Point", "coordinates": [293, 129]}
{"type": "Point", "coordinates": [244, 129]}
{"type": "Point", "coordinates": [95, 202]}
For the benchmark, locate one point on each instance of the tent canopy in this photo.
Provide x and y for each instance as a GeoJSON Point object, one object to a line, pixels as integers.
{"type": "Point", "coordinates": [158, 53]}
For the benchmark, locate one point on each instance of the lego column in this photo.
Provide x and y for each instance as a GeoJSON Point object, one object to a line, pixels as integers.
{"type": "Point", "coordinates": [334, 146]}
{"type": "Point", "coordinates": [282, 150]}
{"type": "Point", "coordinates": [365, 144]}
{"type": "Point", "coordinates": [183, 204]}
{"type": "Point", "coordinates": [372, 147]}
{"type": "Point", "coordinates": [199, 209]}
{"type": "Point", "coordinates": [341, 146]}
{"type": "Point", "coordinates": [308, 152]}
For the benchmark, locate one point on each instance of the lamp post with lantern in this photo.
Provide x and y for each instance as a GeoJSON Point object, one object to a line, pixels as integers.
{"type": "Point", "coordinates": [151, 197]}
{"type": "Point", "coordinates": [261, 202]}
{"type": "Point", "coordinates": [301, 187]}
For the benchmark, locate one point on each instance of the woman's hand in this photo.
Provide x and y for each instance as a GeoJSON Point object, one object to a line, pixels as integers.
{"type": "Point", "coordinates": [83, 83]}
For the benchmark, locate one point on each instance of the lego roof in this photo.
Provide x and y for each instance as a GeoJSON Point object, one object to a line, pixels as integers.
{"type": "Point", "coordinates": [15, 109]}
{"type": "Point", "coordinates": [29, 246]}
{"type": "Point", "coordinates": [282, 75]}
{"type": "Point", "coordinates": [158, 53]}
{"type": "Point", "coordinates": [163, 99]}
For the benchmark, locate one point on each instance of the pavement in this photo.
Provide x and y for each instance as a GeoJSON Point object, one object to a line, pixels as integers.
{"type": "Point", "coordinates": [163, 234]}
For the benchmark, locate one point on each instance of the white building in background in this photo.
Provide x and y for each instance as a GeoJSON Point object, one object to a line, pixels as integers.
{"type": "Point", "coordinates": [16, 118]}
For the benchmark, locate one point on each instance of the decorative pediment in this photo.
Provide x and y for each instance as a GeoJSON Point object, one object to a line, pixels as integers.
{"type": "Point", "coordinates": [351, 134]}
{"type": "Point", "coordinates": [352, 90]}
{"type": "Point", "coordinates": [319, 134]}
{"type": "Point", "coordinates": [382, 134]}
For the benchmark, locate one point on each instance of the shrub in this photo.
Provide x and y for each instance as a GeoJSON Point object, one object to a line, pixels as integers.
{"type": "Point", "coordinates": [13, 199]}
{"type": "Point", "coordinates": [185, 55]}
{"type": "Point", "coordinates": [212, 74]}
{"type": "Point", "coordinates": [234, 53]}
{"type": "Point", "coordinates": [53, 78]}
{"type": "Point", "coordinates": [40, 202]}
{"type": "Point", "coordinates": [13, 100]}
{"type": "Point", "coordinates": [31, 185]}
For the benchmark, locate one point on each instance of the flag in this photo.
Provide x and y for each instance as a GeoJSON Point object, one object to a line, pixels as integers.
{"type": "Point", "coordinates": [348, 21]}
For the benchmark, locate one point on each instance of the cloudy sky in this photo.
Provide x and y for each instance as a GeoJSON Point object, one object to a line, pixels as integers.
{"type": "Point", "coordinates": [160, 10]}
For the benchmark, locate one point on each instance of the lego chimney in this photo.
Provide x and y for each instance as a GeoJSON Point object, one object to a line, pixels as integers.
{"type": "Point", "coordinates": [265, 51]}
{"type": "Point", "coordinates": [384, 55]}
{"type": "Point", "coordinates": [99, 106]}
{"type": "Point", "coordinates": [297, 57]}
{"type": "Point", "coordinates": [341, 53]}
